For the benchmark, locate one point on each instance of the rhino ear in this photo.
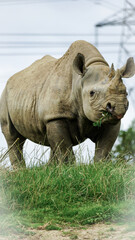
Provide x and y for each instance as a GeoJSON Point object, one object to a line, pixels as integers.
{"type": "Point", "coordinates": [128, 70]}
{"type": "Point", "coordinates": [79, 64]}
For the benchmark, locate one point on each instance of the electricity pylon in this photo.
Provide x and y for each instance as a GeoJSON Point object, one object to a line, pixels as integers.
{"type": "Point", "coordinates": [125, 18]}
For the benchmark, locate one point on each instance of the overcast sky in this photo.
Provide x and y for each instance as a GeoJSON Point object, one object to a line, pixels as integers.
{"type": "Point", "coordinates": [53, 26]}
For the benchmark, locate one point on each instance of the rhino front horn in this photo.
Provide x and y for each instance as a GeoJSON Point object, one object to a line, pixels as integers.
{"type": "Point", "coordinates": [116, 80]}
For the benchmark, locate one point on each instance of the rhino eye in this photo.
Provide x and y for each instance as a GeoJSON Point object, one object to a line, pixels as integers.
{"type": "Point", "coordinates": [92, 93]}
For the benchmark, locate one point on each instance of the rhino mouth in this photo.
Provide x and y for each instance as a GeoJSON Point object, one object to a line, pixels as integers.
{"type": "Point", "coordinates": [111, 111]}
{"type": "Point", "coordinates": [106, 117]}
{"type": "Point", "coordinates": [110, 116]}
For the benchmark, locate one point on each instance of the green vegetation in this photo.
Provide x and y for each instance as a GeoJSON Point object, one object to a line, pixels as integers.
{"type": "Point", "coordinates": [105, 115]}
{"type": "Point", "coordinates": [77, 194]}
{"type": "Point", "coordinates": [126, 145]}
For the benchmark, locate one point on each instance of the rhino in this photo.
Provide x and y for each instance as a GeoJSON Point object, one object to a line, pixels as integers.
{"type": "Point", "coordinates": [54, 102]}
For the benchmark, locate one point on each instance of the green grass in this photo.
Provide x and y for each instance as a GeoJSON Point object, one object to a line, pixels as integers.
{"type": "Point", "coordinates": [77, 194]}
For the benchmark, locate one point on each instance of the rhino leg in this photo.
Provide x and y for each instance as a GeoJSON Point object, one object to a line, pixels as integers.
{"type": "Point", "coordinates": [106, 141]}
{"type": "Point", "coordinates": [15, 149]}
{"type": "Point", "coordinates": [16, 152]}
{"type": "Point", "coordinates": [60, 142]}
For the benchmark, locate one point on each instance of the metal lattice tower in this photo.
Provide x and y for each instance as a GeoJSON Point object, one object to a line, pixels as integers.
{"type": "Point", "coordinates": [125, 19]}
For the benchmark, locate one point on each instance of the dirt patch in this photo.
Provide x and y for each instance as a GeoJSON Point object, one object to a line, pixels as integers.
{"type": "Point", "coordinates": [93, 232]}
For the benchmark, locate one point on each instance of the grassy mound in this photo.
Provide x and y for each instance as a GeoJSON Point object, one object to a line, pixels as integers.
{"type": "Point", "coordinates": [77, 194]}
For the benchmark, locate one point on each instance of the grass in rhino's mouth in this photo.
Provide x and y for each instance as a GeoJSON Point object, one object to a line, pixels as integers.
{"type": "Point", "coordinates": [105, 116]}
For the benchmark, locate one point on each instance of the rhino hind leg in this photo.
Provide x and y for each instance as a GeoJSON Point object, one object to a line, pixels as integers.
{"type": "Point", "coordinates": [15, 143]}
{"type": "Point", "coordinates": [16, 152]}
{"type": "Point", "coordinates": [60, 142]}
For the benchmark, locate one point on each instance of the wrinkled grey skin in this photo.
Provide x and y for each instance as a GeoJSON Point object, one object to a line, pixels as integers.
{"type": "Point", "coordinates": [55, 102]}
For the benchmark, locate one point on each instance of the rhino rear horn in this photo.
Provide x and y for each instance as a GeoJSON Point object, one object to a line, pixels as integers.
{"type": "Point", "coordinates": [79, 64]}
{"type": "Point", "coordinates": [128, 70]}
{"type": "Point", "coordinates": [112, 72]}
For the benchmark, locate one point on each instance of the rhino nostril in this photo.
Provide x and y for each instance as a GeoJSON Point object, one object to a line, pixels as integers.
{"type": "Point", "coordinates": [109, 106]}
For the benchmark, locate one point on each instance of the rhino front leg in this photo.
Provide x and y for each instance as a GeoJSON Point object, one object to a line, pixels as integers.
{"type": "Point", "coordinates": [60, 142]}
{"type": "Point", "coordinates": [106, 141]}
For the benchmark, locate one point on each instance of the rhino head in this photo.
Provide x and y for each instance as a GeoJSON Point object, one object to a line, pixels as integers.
{"type": "Point", "coordinates": [102, 88]}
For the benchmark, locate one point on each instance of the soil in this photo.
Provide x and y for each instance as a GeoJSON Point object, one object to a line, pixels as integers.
{"type": "Point", "coordinates": [94, 232]}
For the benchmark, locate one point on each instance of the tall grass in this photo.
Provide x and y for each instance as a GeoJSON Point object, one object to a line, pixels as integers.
{"type": "Point", "coordinates": [80, 193]}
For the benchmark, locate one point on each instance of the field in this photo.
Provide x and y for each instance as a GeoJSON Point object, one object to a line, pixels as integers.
{"type": "Point", "coordinates": [61, 196]}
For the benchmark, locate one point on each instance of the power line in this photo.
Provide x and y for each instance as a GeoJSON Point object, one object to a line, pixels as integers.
{"type": "Point", "coordinates": [59, 53]}
{"type": "Point", "coordinates": [105, 3]}
{"type": "Point", "coordinates": [28, 1]}
{"type": "Point", "coordinates": [46, 34]}
{"type": "Point", "coordinates": [15, 2]}
{"type": "Point", "coordinates": [56, 34]}
{"type": "Point", "coordinates": [24, 44]}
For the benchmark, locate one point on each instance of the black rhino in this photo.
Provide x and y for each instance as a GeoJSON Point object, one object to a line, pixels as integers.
{"type": "Point", "coordinates": [54, 102]}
